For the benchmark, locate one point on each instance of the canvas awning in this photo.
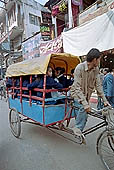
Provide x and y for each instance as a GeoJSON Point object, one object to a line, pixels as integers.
{"type": "Point", "coordinates": [39, 65]}
{"type": "Point", "coordinates": [97, 33]}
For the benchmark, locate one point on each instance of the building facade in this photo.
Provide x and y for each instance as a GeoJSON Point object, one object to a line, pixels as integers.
{"type": "Point", "coordinates": [24, 20]}
{"type": "Point", "coordinates": [67, 14]}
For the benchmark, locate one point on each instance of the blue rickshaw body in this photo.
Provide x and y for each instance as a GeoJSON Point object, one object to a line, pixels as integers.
{"type": "Point", "coordinates": [52, 113]}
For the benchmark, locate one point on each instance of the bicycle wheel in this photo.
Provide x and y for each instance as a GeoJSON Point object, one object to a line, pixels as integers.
{"type": "Point", "coordinates": [105, 148]}
{"type": "Point", "coordinates": [15, 123]}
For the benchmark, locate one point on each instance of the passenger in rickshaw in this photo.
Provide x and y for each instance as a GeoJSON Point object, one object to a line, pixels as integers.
{"type": "Point", "coordinates": [86, 78]}
{"type": "Point", "coordinates": [25, 82]}
{"type": "Point", "coordinates": [35, 83]}
{"type": "Point", "coordinates": [50, 83]}
{"type": "Point", "coordinates": [9, 83]}
{"type": "Point", "coordinates": [71, 79]}
{"type": "Point", "coordinates": [59, 76]}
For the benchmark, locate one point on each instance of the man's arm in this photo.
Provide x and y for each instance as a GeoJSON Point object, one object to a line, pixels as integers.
{"type": "Point", "coordinates": [99, 88]}
{"type": "Point", "coordinates": [33, 85]}
{"type": "Point", "coordinates": [77, 88]}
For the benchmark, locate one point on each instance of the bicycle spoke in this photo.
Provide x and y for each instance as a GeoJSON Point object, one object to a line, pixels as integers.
{"type": "Point", "coordinates": [105, 149]}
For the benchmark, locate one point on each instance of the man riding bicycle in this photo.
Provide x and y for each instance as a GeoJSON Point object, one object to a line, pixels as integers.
{"type": "Point", "coordinates": [86, 78]}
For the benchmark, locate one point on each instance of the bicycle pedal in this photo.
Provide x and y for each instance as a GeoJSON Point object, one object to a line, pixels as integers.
{"type": "Point", "coordinates": [80, 138]}
{"type": "Point", "coordinates": [83, 139]}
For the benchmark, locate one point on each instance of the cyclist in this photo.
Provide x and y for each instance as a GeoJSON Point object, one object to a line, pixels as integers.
{"type": "Point", "coordinates": [86, 78]}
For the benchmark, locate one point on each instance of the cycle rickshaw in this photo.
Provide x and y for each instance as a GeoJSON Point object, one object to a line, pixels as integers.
{"type": "Point", "coordinates": [24, 109]}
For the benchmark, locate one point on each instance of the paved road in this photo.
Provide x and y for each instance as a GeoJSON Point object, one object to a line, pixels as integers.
{"type": "Point", "coordinates": [41, 149]}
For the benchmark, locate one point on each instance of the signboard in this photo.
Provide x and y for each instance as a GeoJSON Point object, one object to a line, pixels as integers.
{"type": "Point", "coordinates": [91, 13]}
{"type": "Point", "coordinates": [77, 2]}
{"type": "Point", "coordinates": [110, 4]}
{"type": "Point", "coordinates": [30, 48]}
{"type": "Point", "coordinates": [47, 32]}
{"type": "Point", "coordinates": [46, 17]}
{"type": "Point", "coordinates": [53, 46]}
{"type": "Point", "coordinates": [88, 11]}
{"type": "Point", "coordinates": [94, 11]}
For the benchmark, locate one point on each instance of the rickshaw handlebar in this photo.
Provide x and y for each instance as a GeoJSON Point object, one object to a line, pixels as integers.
{"type": "Point", "coordinates": [103, 111]}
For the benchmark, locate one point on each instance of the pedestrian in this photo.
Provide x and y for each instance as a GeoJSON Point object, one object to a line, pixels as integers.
{"type": "Point", "coordinates": [86, 78]}
{"type": "Point", "coordinates": [108, 87]}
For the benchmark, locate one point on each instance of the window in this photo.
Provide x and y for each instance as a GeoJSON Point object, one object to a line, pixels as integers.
{"type": "Point", "coordinates": [39, 20]}
{"type": "Point", "coordinates": [33, 19]}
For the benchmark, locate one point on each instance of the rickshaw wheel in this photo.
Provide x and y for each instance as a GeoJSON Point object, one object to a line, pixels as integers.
{"type": "Point", "coordinates": [15, 122]}
{"type": "Point", "coordinates": [105, 148]}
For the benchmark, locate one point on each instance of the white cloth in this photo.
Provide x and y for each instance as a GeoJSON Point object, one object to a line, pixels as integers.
{"type": "Point", "coordinates": [97, 33]}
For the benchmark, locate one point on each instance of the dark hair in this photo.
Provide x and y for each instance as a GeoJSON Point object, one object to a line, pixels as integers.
{"type": "Point", "coordinates": [62, 70]}
{"type": "Point", "coordinates": [58, 68]}
{"type": "Point", "coordinates": [72, 71]}
{"type": "Point", "coordinates": [108, 70]}
{"type": "Point", "coordinates": [93, 53]}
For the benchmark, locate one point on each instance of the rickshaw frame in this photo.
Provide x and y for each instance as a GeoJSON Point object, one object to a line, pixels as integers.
{"type": "Point", "coordinates": [69, 113]}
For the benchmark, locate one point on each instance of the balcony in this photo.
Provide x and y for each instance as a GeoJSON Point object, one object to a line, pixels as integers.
{"type": "Point", "coordinates": [14, 32]}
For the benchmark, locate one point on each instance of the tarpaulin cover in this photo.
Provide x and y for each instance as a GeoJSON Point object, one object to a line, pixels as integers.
{"type": "Point", "coordinates": [39, 65]}
{"type": "Point", "coordinates": [97, 33]}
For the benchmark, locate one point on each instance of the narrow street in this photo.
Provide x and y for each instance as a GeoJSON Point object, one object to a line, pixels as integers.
{"type": "Point", "coordinates": [53, 51]}
{"type": "Point", "coordinates": [39, 148]}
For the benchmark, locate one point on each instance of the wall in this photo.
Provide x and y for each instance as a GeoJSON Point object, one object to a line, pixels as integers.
{"type": "Point", "coordinates": [95, 10]}
{"type": "Point", "coordinates": [30, 29]}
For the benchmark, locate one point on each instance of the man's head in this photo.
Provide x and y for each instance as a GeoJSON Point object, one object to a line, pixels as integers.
{"type": "Point", "coordinates": [49, 71]}
{"type": "Point", "coordinates": [58, 71]}
{"type": "Point", "coordinates": [106, 70]}
{"type": "Point", "coordinates": [93, 57]}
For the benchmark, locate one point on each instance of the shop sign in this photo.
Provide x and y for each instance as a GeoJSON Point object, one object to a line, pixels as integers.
{"type": "Point", "coordinates": [30, 48]}
{"type": "Point", "coordinates": [53, 46]}
{"type": "Point", "coordinates": [84, 15]}
{"type": "Point", "coordinates": [46, 17]}
{"type": "Point", "coordinates": [47, 31]}
{"type": "Point", "coordinates": [77, 2]}
{"type": "Point", "coordinates": [93, 14]}
{"type": "Point", "coordinates": [110, 4]}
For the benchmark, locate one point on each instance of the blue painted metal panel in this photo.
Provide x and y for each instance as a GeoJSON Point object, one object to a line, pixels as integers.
{"type": "Point", "coordinates": [15, 103]}
{"type": "Point", "coordinates": [35, 112]}
{"type": "Point", "coordinates": [54, 113]}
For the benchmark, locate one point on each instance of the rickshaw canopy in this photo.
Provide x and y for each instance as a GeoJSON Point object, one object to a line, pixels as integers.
{"type": "Point", "coordinates": [39, 65]}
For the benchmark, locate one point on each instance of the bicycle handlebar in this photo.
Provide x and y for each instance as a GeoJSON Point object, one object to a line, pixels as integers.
{"type": "Point", "coordinates": [103, 111]}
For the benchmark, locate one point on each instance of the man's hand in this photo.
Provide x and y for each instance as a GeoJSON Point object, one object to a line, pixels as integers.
{"type": "Point", "coordinates": [88, 109]}
{"type": "Point", "coordinates": [106, 104]}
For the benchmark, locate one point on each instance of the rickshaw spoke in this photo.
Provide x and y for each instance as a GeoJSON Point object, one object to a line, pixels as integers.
{"type": "Point", "coordinates": [15, 123]}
